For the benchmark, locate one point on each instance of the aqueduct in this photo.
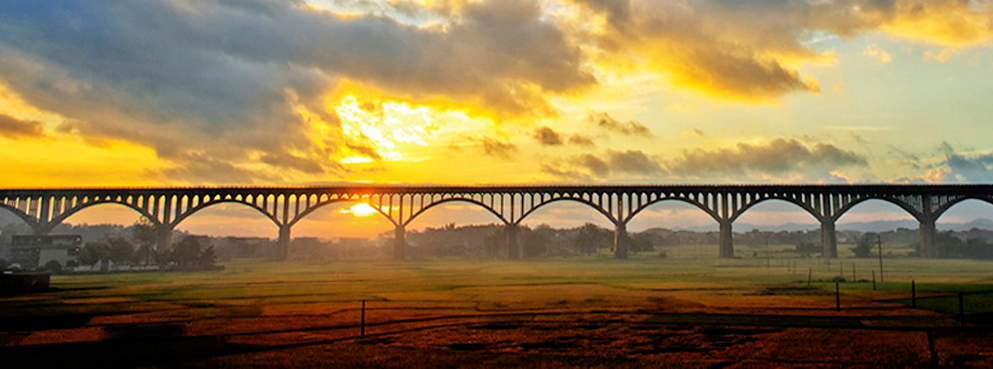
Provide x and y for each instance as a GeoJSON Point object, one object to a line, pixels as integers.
{"type": "Point", "coordinates": [166, 208]}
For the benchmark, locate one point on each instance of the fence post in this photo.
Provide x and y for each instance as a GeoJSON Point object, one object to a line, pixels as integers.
{"type": "Point", "coordinates": [837, 296]}
{"type": "Point", "coordinates": [853, 273]}
{"type": "Point", "coordinates": [362, 332]}
{"type": "Point", "coordinates": [930, 348]}
{"type": "Point", "coordinates": [873, 279]}
{"type": "Point", "coordinates": [810, 273]}
{"type": "Point", "coordinates": [961, 312]}
{"type": "Point", "coordinates": [913, 293]}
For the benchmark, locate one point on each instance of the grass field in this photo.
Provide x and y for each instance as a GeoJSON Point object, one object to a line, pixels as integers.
{"type": "Point", "coordinates": [594, 311]}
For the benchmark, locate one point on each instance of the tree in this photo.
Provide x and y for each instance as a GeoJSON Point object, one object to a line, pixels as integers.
{"type": "Point", "coordinates": [119, 250]}
{"type": "Point", "coordinates": [535, 242]}
{"type": "Point", "coordinates": [863, 246]}
{"type": "Point", "coordinates": [590, 237]}
{"type": "Point", "coordinates": [640, 242]}
{"type": "Point", "coordinates": [53, 266]}
{"type": "Point", "coordinates": [93, 252]}
{"type": "Point", "coordinates": [189, 254]}
{"type": "Point", "coordinates": [186, 252]}
{"type": "Point", "coordinates": [143, 232]}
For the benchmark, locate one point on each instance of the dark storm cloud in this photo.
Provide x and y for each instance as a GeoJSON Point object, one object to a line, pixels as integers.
{"type": "Point", "coordinates": [11, 127]}
{"type": "Point", "coordinates": [774, 157]}
{"type": "Point", "coordinates": [227, 76]}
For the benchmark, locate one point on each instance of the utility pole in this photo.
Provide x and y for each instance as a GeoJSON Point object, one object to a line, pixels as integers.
{"type": "Point", "coordinates": [879, 241]}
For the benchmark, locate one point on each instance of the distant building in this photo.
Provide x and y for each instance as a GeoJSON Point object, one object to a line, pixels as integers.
{"type": "Point", "coordinates": [34, 251]}
{"type": "Point", "coordinates": [243, 248]}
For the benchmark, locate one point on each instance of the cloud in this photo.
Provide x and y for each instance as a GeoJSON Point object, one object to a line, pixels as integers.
{"type": "Point", "coordinates": [753, 50]}
{"type": "Point", "coordinates": [11, 127]}
{"type": "Point", "coordinates": [873, 51]}
{"type": "Point", "coordinates": [493, 147]}
{"type": "Point", "coordinates": [627, 163]}
{"type": "Point", "coordinates": [973, 168]}
{"type": "Point", "coordinates": [595, 165]}
{"type": "Point", "coordinates": [633, 161]}
{"type": "Point", "coordinates": [965, 167]}
{"type": "Point", "coordinates": [229, 78]}
{"type": "Point", "coordinates": [779, 156]}
{"type": "Point", "coordinates": [580, 140]}
{"type": "Point", "coordinates": [950, 23]}
{"type": "Point", "coordinates": [547, 136]}
{"type": "Point", "coordinates": [631, 128]}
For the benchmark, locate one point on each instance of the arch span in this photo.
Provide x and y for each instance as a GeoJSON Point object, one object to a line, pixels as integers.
{"type": "Point", "coordinates": [320, 205]}
{"type": "Point", "coordinates": [814, 213]}
{"type": "Point", "coordinates": [938, 213]}
{"type": "Point", "coordinates": [191, 211]}
{"type": "Point", "coordinates": [901, 204]}
{"type": "Point", "coordinates": [449, 200]}
{"type": "Point", "coordinates": [21, 215]}
{"type": "Point", "coordinates": [579, 200]}
{"type": "Point", "coordinates": [696, 204]}
{"type": "Point", "coordinates": [59, 219]}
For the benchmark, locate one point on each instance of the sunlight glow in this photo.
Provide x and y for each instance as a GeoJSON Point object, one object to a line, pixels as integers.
{"type": "Point", "coordinates": [384, 126]}
{"type": "Point", "coordinates": [360, 210]}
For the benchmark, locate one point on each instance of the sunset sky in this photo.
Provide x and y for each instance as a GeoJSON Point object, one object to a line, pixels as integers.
{"type": "Point", "coordinates": [256, 92]}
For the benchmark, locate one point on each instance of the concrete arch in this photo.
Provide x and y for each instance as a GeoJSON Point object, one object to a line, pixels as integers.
{"type": "Point", "coordinates": [471, 201]}
{"type": "Point", "coordinates": [902, 205]}
{"type": "Point", "coordinates": [23, 216]}
{"type": "Point", "coordinates": [189, 212]}
{"type": "Point", "coordinates": [951, 204]}
{"type": "Point", "coordinates": [712, 214]}
{"type": "Point", "coordinates": [579, 200]}
{"type": "Point", "coordinates": [738, 213]}
{"type": "Point", "coordinates": [322, 204]}
{"type": "Point", "coordinates": [101, 201]}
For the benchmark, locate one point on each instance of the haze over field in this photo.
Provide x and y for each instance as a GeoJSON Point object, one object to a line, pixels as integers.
{"type": "Point", "coordinates": [257, 92]}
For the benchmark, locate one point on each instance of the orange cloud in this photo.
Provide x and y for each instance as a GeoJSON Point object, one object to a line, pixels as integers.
{"type": "Point", "coordinates": [947, 23]}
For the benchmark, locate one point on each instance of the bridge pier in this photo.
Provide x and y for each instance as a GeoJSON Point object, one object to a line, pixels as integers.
{"type": "Point", "coordinates": [927, 245]}
{"type": "Point", "coordinates": [283, 245]}
{"type": "Point", "coordinates": [726, 242]}
{"type": "Point", "coordinates": [40, 230]}
{"type": "Point", "coordinates": [513, 234]}
{"type": "Point", "coordinates": [829, 239]}
{"type": "Point", "coordinates": [620, 241]}
{"type": "Point", "coordinates": [399, 243]}
{"type": "Point", "coordinates": [163, 238]}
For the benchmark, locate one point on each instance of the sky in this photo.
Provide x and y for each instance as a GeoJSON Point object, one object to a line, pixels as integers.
{"type": "Point", "coordinates": [472, 92]}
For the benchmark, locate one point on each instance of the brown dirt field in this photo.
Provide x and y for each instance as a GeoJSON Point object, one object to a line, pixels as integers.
{"type": "Point", "coordinates": [491, 321]}
{"type": "Point", "coordinates": [637, 329]}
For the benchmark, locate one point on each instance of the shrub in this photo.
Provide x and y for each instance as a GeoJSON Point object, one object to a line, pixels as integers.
{"type": "Point", "coordinates": [54, 267]}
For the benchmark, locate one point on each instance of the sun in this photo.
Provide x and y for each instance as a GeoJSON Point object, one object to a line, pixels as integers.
{"type": "Point", "coordinates": [360, 210]}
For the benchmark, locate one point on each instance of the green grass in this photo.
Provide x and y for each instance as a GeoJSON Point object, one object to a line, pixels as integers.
{"type": "Point", "coordinates": [461, 281]}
